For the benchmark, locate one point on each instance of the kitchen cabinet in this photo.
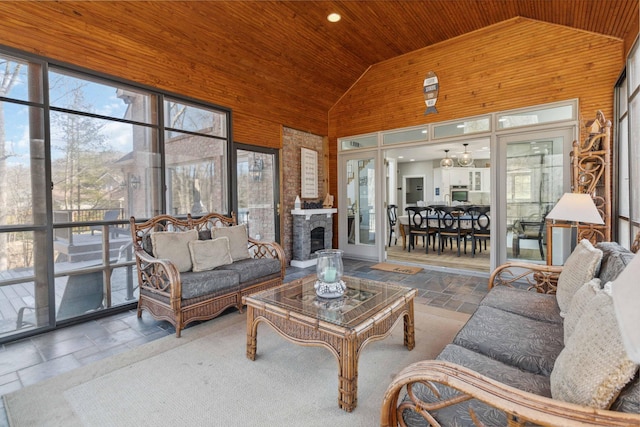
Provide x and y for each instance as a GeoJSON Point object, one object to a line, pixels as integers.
{"type": "Point", "coordinates": [479, 179]}
{"type": "Point", "coordinates": [476, 179]}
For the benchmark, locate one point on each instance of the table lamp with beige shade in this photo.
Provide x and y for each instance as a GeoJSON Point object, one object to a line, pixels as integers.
{"type": "Point", "coordinates": [575, 208]}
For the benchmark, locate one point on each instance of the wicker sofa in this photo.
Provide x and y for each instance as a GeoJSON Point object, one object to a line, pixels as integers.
{"type": "Point", "coordinates": [503, 367]}
{"type": "Point", "coordinates": [193, 269]}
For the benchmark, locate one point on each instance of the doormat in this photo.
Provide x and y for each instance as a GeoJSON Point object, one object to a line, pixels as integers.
{"type": "Point", "coordinates": [396, 268]}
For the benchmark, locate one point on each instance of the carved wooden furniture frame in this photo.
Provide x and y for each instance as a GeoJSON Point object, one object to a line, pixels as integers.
{"type": "Point", "coordinates": [307, 328]}
{"type": "Point", "coordinates": [161, 278]}
{"type": "Point", "coordinates": [521, 408]}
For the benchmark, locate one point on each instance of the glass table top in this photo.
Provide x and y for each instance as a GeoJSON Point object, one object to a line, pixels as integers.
{"type": "Point", "coordinates": [362, 299]}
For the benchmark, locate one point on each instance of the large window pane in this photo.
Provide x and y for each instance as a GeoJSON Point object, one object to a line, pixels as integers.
{"type": "Point", "coordinates": [22, 171]}
{"type": "Point", "coordinates": [15, 82]}
{"type": "Point", "coordinates": [80, 94]}
{"type": "Point", "coordinates": [186, 117]}
{"type": "Point", "coordinates": [196, 178]}
{"type": "Point", "coordinates": [466, 127]}
{"type": "Point", "coordinates": [623, 169]}
{"type": "Point", "coordinates": [101, 165]}
{"type": "Point", "coordinates": [533, 117]}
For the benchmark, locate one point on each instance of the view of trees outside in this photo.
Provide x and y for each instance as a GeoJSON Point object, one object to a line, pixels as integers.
{"type": "Point", "coordinates": [103, 156]}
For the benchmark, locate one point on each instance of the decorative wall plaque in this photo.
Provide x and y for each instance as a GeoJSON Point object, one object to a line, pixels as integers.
{"type": "Point", "coordinates": [309, 172]}
{"type": "Point", "coordinates": [430, 89]}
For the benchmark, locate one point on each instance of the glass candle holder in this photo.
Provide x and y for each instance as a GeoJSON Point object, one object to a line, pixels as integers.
{"type": "Point", "coordinates": [329, 270]}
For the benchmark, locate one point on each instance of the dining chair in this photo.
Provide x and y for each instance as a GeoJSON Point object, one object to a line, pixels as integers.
{"type": "Point", "coordinates": [419, 226]}
{"type": "Point", "coordinates": [450, 228]}
{"type": "Point", "coordinates": [480, 226]}
{"type": "Point", "coordinates": [392, 215]}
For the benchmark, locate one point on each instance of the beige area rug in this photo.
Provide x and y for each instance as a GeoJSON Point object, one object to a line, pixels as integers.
{"type": "Point", "coordinates": [204, 378]}
{"type": "Point", "coordinates": [396, 268]}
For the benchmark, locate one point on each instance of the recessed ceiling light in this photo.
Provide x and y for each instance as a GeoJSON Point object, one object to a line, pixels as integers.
{"type": "Point", "coordinates": [412, 160]}
{"type": "Point", "coordinates": [334, 17]}
{"type": "Point", "coordinates": [401, 157]}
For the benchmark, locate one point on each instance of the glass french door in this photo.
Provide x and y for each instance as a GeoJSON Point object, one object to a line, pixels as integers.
{"type": "Point", "coordinates": [257, 191]}
{"type": "Point", "coordinates": [359, 224]}
{"type": "Point", "coordinates": [536, 173]}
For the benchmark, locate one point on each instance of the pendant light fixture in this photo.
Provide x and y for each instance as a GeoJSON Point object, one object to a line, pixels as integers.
{"type": "Point", "coordinates": [447, 162]}
{"type": "Point", "coordinates": [465, 159]}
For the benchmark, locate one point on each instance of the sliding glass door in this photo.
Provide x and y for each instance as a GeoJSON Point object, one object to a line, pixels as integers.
{"type": "Point", "coordinates": [257, 191]}
{"type": "Point", "coordinates": [535, 175]}
{"type": "Point", "coordinates": [359, 219]}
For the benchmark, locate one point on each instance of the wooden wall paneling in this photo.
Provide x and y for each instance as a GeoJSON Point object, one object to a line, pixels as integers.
{"type": "Point", "coordinates": [256, 131]}
{"type": "Point", "coordinates": [509, 65]}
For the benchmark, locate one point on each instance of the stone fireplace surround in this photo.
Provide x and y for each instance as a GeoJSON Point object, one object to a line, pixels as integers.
{"type": "Point", "coordinates": [305, 220]}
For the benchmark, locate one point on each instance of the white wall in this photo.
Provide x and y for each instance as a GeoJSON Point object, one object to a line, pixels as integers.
{"type": "Point", "coordinates": [414, 169]}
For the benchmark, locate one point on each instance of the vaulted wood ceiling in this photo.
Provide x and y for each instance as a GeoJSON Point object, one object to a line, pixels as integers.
{"type": "Point", "coordinates": [290, 47]}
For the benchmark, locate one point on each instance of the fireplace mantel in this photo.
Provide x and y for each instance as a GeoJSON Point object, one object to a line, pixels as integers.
{"type": "Point", "coordinates": [308, 212]}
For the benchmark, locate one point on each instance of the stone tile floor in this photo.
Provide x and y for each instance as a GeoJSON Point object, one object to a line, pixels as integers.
{"type": "Point", "coordinates": [28, 361]}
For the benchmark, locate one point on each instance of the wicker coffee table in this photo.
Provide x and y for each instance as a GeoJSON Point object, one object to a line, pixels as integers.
{"type": "Point", "coordinates": [367, 312]}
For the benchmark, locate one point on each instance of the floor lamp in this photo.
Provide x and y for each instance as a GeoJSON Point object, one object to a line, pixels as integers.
{"type": "Point", "coordinates": [575, 208]}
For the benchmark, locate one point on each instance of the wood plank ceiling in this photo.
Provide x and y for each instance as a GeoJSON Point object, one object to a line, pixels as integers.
{"type": "Point", "coordinates": [290, 47]}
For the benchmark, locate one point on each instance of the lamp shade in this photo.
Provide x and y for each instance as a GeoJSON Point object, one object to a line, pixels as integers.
{"type": "Point", "coordinates": [625, 293]}
{"type": "Point", "coordinates": [576, 207]}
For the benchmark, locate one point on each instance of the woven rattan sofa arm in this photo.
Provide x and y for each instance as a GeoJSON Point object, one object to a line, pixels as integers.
{"type": "Point", "coordinates": [158, 276]}
{"type": "Point", "coordinates": [539, 277]}
{"type": "Point", "coordinates": [264, 249]}
{"type": "Point", "coordinates": [519, 406]}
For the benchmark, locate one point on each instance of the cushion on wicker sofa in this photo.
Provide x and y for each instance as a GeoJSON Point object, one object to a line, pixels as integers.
{"type": "Point", "coordinates": [629, 398]}
{"type": "Point", "coordinates": [238, 240]}
{"type": "Point", "coordinates": [529, 344]}
{"type": "Point", "coordinates": [579, 303]}
{"type": "Point", "coordinates": [614, 259]}
{"type": "Point", "coordinates": [459, 414]}
{"type": "Point", "coordinates": [252, 269]}
{"type": "Point", "coordinates": [593, 367]}
{"type": "Point", "coordinates": [579, 268]}
{"type": "Point", "coordinates": [203, 284]}
{"type": "Point", "coordinates": [525, 303]}
{"type": "Point", "coordinates": [210, 253]}
{"type": "Point", "coordinates": [174, 246]}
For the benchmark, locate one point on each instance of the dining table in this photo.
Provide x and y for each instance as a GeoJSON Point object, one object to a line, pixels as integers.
{"type": "Point", "coordinates": [402, 225]}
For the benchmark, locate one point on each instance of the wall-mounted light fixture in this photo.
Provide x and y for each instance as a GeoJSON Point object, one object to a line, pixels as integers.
{"type": "Point", "coordinates": [255, 170]}
{"type": "Point", "coordinates": [134, 182]}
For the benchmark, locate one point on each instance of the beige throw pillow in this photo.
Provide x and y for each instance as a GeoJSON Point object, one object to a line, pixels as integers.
{"type": "Point", "coordinates": [594, 366]}
{"type": "Point", "coordinates": [209, 254]}
{"type": "Point", "coordinates": [578, 304]}
{"type": "Point", "coordinates": [238, 240]}
{"type": "Point", "coordinates": [174, 246]}
{"type": "Point", "coordinates": [580, 267]}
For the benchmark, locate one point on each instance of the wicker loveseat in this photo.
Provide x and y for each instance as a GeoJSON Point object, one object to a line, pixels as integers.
{"type": "Point", "coordinates": [193, 269]}
{"type": "Point", "coordinates": [508, 364]}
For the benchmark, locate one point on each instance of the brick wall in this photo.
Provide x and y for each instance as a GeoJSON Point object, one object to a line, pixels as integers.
{"type": "Point", "coordinates": [292, 141]}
